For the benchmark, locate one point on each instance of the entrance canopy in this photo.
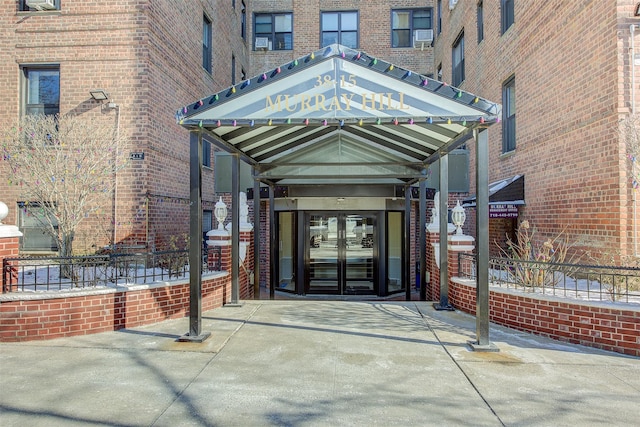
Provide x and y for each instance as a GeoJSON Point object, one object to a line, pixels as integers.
{"type": "Point", "coordinates": [339, 116]}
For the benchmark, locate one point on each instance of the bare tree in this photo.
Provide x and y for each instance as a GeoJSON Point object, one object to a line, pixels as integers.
{"type": "Point", "coordinates": [630, 133]}
{"type": "Point", "coordinates": [67, 165]}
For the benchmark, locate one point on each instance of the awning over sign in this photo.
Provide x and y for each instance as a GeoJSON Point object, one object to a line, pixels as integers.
{"type": "Point", "coordinates": [339, 116]}
{"type": "Point", "coordinates": [508, 191]}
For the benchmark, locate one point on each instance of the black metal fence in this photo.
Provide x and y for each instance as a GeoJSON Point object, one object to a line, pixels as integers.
{"type": "Point", "coordinates": [576, 281]}
{"type": "Point", "coordinates": [110, 270]}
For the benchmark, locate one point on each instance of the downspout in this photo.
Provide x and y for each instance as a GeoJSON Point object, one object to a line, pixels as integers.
{"type": "Point", "coordinates": [632, 30]}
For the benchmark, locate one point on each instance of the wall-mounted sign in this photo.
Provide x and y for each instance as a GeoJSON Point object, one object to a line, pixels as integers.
{"type": "Point", "coordinates": [136, 156]}
{"type": "Point", "coordinates": [503, 211]}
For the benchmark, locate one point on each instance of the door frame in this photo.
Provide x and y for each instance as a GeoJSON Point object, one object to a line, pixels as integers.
{"type": "Point", "coordinates": [341, 262]}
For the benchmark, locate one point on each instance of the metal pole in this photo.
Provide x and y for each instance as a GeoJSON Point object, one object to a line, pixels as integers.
{"type": "Point", "coordinates": [195, 241]}
{"type": "Point", "coordinates": [422, 213]}
{"type": "Point", "coordinates": [273, 246]}
{"type": "Point", "coordinates": [235, 231]}
{"type": "Point", "coordinates": [256, 236]}
{"type": "Point", "coordinates": [407, 241]}
{"type": "Point", "coordinates": [482, 342]}
{"type": "Point", "coordinates": [444, 234]}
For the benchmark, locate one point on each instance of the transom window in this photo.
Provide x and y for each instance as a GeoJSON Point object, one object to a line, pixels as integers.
{"type": "Point", "coordinates": [276, 28]}
{"type": "Point", "coordinates": [42, 90]}
{"type": "Point", "coordinates": [404, 23]}
{"type": "Point", "coordinates": [341, 28]}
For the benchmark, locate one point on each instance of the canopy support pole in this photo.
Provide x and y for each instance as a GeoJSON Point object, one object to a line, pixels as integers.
{"type": "Point", "coordinates": [444, 234]}
{"type": "Point", "coordinates": [195, 333]}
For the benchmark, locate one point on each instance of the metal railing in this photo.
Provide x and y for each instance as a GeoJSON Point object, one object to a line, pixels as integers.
{"type": "Point", "coordinates": [118, 269]}
{"type": "Point", "coordinates": [576, 281]}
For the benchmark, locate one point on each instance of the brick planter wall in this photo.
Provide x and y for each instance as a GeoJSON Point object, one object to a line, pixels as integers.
{"type": "Point", "coordinates": [600, 325]}
{"type": "Point", "coordinates": [92, 311]}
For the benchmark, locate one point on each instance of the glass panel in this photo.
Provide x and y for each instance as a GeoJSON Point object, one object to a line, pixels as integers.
{"type": "Point", "coordinates": [323, 253]}
{"type": "Point", "coordinates": [284, 41]}
{"type": "Point", "coordinates": [44, 87]}
{"type": "Point", "coordinates": [349, 21]}
{"type": "Point", "coordinates": [359, 235]}
{"type": "Point", "coordinates": [401, 38]}
{"type": "Point", "coordinates": [286, 264]}
{"type": "Point", "coordinates": [263, 24]}
{"type": "Point", "coordinates": [329, 22]}
{"type": "Point", "coordinates": [400, 20]}
{"type": "Point", "coordinates": [329, 38]}
{"type": "Point", "coordinates": [394, 252]}
{"type": "Point", "coordinates": [421, 19]}
{"type": "Point", "coordinates": [350, 40]}
{"type": "Point", "coordinates": [283, 23]}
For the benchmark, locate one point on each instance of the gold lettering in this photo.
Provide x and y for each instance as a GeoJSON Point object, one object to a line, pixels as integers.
{"type": "Point", "coordinates": [320, 99]}
{"type": "Point", "coordinates": [402, 106]}
{"type": "Point", "coordinates": [286, 104]}
{"type": "Point", "coordinates": [365, 100]}
{"type": "Point", "coordinates": [335, 104]}
{"type": "Point", "coordinates": [389, 102]}
{"type": "Point", "coordinates": [305, 102]}
{"type": "Point", "coordinates": [271, 106]}
{"type": "Point", "coordinates": [347, 97]}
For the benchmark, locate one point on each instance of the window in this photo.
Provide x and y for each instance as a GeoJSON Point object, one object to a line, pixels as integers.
{"type": "Point", "coordinates": [233, 70]}
{"type": "Point", "coordinates": [405, 22]}
{"type": "Point", "coordinates": [32, 222]}
{"type": "Point", "coordinates": [206, 153]}
{"type": "Point", "coordinates": [207, 224]}
{"type": "Point", "coordinates": [42, 90]}
{"type": "Point", "coordinates": [480, 21]}
{"type": "Point", "coordinates": [457, 61]}
{"type": "Point", "coordinates": [243, 22]}
{"type": "Point", "coordinates": [507, 15]}
{"type": "Point", "coordinates": [341, 28]}
{"type": "Point", "coordinates": [439, 16]}
{"type": "Point", "coordinates": [206, 43]}
{"type": "Point", "coordinates": [276, 28]}
{"type": "Point", "coordinates": [41, 5]}
{"type": "Point", "coordinates": [509, 115]}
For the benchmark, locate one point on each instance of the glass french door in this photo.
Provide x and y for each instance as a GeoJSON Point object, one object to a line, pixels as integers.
{"type": "Point", "coordinates": [341, 251]}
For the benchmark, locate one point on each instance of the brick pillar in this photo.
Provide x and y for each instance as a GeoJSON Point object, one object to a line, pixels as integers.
{"type": "Point", "coordinates": [9, 248]}
{"type": "Point", "coordinates": [221, 239]}
{"type": "Point", "coordinates": [433, 254]}
{"type": "Point", "coordinates": [458, 243]}
{"type": "Point", "coordinates": [246, 268]}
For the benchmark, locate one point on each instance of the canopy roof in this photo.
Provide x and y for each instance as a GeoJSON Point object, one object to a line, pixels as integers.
{"type": "Point", "coordinates": [339, 116]}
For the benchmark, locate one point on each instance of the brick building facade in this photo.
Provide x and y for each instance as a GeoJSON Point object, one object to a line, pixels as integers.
{"type": "Point", "coordinates": [570, 65]}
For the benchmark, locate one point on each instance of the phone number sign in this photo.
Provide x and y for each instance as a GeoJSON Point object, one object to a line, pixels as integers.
{"type": "Point", "coordinates": [503, 211]}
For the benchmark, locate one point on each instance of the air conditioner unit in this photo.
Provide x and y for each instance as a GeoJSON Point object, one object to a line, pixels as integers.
{"type": "Point", "coordinates": [422, 36]}
{"type": "Point", "coordinates": [262, 43]}
{"type": "Point", "coordinates": [41, 4]}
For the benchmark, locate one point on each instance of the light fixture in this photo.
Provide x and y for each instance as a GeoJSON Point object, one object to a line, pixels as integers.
{"type": "Point", "coordinates": [99, 94]}
{"type": "Point", "coordinates": [220, 213]}
{"type": "Point", "coordinates": [458, 217]}
{"type": "Point", "coordinates": [636, 12]}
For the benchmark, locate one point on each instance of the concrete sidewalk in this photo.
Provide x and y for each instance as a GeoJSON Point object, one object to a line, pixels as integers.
{"type": "Point", "coordinates": [316, 363]}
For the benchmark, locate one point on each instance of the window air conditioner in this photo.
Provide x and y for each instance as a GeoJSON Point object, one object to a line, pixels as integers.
{"type": "Point", "coordinates": [262, 42]}
{"type": "Point", "coordinates": [41, 4]}
{"type": "Point", "coordinates": [423, 36]}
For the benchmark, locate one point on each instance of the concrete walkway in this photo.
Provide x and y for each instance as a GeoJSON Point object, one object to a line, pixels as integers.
{"type": "Point", "coordinates": [316, 363]}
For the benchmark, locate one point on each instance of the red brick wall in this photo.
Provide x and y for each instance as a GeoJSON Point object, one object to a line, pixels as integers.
{"type": "Point", "coordinates": [93, 312]}
{"type": "Point", "coordinates": [567, 145]}
{"type": "Point", "coordinates": [613, 328]}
